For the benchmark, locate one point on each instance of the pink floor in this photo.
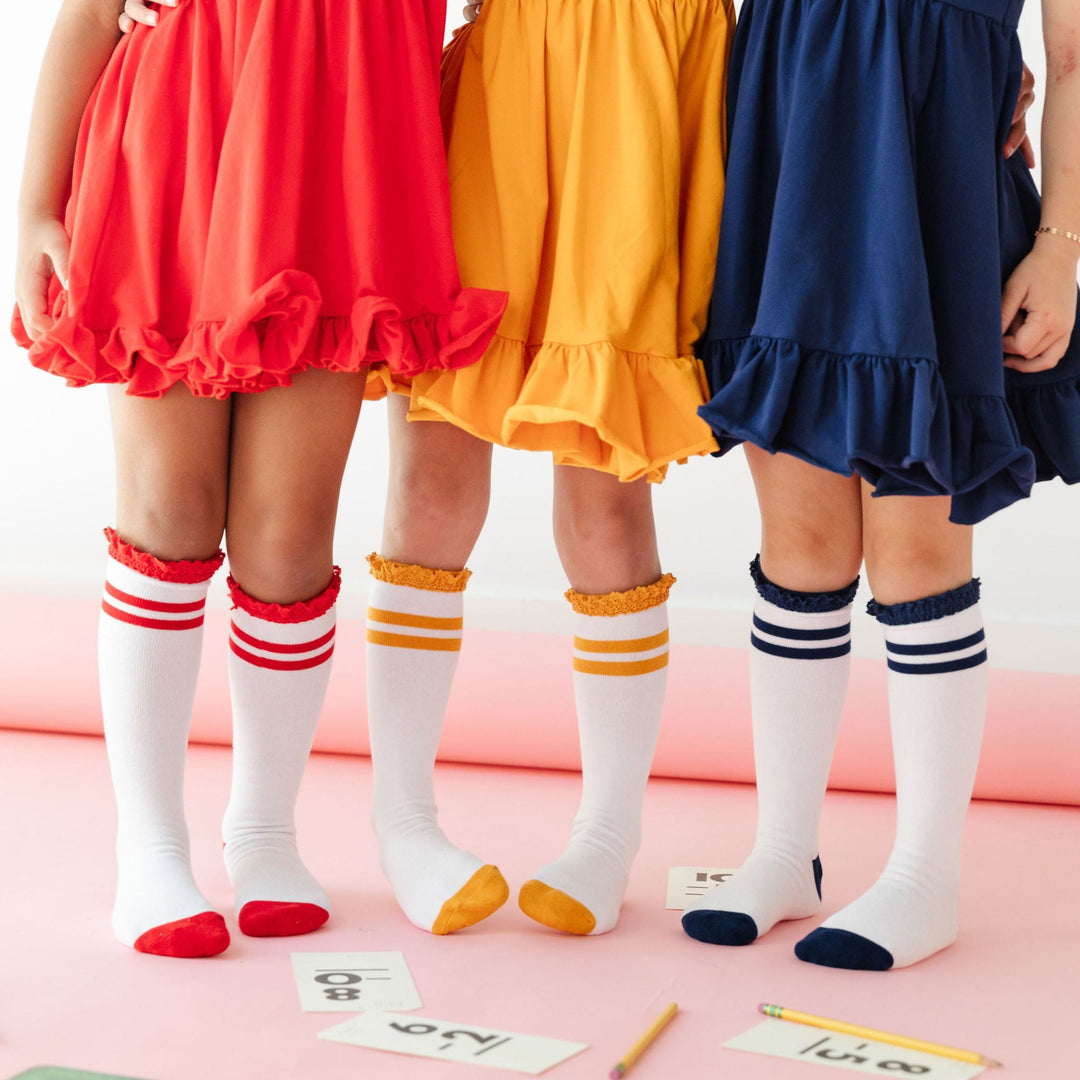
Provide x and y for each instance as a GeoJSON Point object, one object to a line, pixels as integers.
{"type": "Point", "coordinates": [70, 995]}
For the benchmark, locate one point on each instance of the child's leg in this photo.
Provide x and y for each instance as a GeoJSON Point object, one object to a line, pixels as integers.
{"type": "Point", "coordinates": [289, 449]}
{"type": "Point", "coordinates": [436, 505]}
{"type": "Point", "coordinates": [171, 467]}
{"type": "Point", "coordinates": [606, 540]}
{"type": "Point", "coordinates": [919, 566]}
{"type": "Point", "coordinates": [799, 663]}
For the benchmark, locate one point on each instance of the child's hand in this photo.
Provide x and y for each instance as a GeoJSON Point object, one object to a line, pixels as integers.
{"type": "Point", "coordinates": [136, 11]}
{"type": "Point", "coordinates": [1018, 137]}
{"type": "Point", "coordinates": [472, 9]}
{"type": "Point", "coordinates": [43, 251]}
{"type": "Point", "coordinates": [1038, 308]}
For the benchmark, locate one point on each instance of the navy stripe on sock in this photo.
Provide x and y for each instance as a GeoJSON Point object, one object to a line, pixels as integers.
{"type": "Point", "coordinates": [939, 669]}
{"type": "Point", "coordinates": [801, 635]}
{"type": "Point", "coordinates": [934, 647]}
{"type": "Point", "coordinates": [828, 653]}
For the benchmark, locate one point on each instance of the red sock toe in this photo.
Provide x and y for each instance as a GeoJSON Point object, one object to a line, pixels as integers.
{"type": "Point", "coordinates": [204, 934]}
{"type": "Point", "coordinates": [272, 918]}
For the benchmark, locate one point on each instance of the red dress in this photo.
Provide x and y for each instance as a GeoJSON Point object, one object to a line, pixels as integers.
{"type": "Point", "coordinates": [260, 187]}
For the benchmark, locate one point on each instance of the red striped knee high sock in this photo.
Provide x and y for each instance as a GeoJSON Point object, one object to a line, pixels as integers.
{"type": "Point", "coordinates": [149, 646]}
{"type": "Point", "coordinates": [279, 669]}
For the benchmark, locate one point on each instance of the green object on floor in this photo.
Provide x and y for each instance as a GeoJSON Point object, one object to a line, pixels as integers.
{"type": "Point", "coordinates": [56, 1072]}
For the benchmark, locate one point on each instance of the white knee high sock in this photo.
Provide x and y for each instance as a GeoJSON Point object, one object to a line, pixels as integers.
{"type": "Point", "coordinates": [799, 666]}
{"type": "Point", "coordinates": [414, 636]}
{"type": "Point", "coordinates": [937, 702]}
{"type": "Point", "coordinates": [279, 668]}
{"type": "Point", "coordinates": [620, 677]}
{"type": "Point", "coordinates": [149, 645]}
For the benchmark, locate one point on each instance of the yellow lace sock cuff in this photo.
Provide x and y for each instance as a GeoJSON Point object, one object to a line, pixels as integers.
{"type": "Point", "coordinates": [622, 603]}
{"type": "Point", "coordinates": [417, 577]}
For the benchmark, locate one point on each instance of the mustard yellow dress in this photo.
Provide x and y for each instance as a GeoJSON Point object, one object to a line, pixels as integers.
{"type": "Point", "coordinates": [586, 142]}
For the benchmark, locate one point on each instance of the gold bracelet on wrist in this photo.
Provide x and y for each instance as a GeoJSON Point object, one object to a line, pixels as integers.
{"type": "Point", "coordinates": [1059, 232]}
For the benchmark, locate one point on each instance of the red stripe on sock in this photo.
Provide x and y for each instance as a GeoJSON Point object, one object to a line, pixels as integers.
{"type": "Point", "coordinates": [150, 624]}
{"type": "Point", "coordinates": [151, 605]}
{"type": "Point", "coordinates": [274, 646]}
{"type": "Point", "coordinates": [281, 665]}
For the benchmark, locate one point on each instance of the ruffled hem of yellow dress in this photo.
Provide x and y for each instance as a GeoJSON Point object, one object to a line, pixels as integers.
{"type": "Point", "coordinates": [596, 406]}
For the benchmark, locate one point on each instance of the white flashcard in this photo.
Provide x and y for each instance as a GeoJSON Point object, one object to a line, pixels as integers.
{"type": "Point", "coordinates": [686, 883]}
{"type": "Point", "coordinates": [799, 1042]}
{"type": "Point", "coordinates": [354, 982]}
{"type": "Point", "coordinates": [448, 1040]}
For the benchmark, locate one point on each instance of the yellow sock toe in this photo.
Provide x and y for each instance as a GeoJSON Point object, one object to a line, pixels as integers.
{"type": "Point", "coordinates": [554, 908]}
{"type": "Point", "coordinates": [486, 891]}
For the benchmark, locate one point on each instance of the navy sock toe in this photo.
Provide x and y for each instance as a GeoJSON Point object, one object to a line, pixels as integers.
{"type": "Point", "coordinates": [720, 927]}
{"type": "Point", "coordinates": [842, 949]}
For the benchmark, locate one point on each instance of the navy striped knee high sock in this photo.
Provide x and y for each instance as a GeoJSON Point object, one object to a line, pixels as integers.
{"type": "Point", "coordinates": [800, 660]}
{"type": "Point", "coordinates": [937, 703]}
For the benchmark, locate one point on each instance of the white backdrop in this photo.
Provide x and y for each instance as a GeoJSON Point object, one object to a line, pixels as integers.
{"type": "Point", "coordinates": [57, 488]}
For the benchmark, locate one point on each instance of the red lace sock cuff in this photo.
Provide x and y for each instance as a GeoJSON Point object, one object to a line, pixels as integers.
{"type": "Point", "coordinates": [301, 611]}
{"type": "Point", "coordinates": [180, 571]}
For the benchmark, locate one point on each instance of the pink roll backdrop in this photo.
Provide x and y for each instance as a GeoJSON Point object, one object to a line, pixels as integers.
{"type": "Point", "coordinates": [512, 705]}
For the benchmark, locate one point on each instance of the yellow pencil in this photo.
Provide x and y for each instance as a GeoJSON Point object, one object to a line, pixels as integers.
{"type": "Point", "coordinates": [877, 1036]}
{"type": "Point", "coordinates": [643, 1043]}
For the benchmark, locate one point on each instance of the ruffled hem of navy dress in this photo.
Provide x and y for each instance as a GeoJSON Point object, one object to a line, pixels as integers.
{"type": "Point", "coordinates": [887, 419]}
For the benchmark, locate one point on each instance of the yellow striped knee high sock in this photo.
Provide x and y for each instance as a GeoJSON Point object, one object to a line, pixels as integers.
{"type": "Point", "coordinates": [620, 675]}
{"type": "Point", "coordinates": [413, 639]}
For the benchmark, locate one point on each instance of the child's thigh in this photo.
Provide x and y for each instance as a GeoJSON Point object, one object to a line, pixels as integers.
{"type": "Point", "coordinates": [290, 445]}
{"type": "Point", "coordinates": [912, 548]}
{"type": "Point", "coordinates": [172, 456]}
{"type": "Point", "coordinates": [811, 522]}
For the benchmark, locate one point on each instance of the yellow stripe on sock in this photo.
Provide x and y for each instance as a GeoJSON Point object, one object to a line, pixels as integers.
{"type": "Point", "coordinates": [633, 645]}
{"type": "Point", "coordinates": [420, 622]}
{"type": "Point", "coordinates": [414, 641]}
{"type": "Point", "coordinates": [625, 667]}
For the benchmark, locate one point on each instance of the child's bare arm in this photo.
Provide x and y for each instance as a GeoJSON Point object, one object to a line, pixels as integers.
{"type": "Point", "coordinates": [82, 41]}
{"type": "Point", "coordinates": [1061, 121]}
{"type": "Point", "coordinates": [1039, 303]}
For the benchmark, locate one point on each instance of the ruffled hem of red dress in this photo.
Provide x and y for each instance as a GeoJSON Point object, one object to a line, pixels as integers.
{"type": "Point", "coordinates": [279, 333]}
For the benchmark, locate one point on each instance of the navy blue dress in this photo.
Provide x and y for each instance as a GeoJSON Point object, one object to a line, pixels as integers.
{"type": "Point", "coordinates": [870, 220]}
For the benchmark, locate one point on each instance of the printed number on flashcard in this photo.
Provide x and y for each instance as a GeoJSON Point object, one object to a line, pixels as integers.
{"type": "Point", "coordinates": [340, 985]}
{"type": "Point", "coordinates": [890, 1065]}
{"type": "Point", "coordinates": [429, 1029]}
{"type": "Point", "coordinates": [704, 881]}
